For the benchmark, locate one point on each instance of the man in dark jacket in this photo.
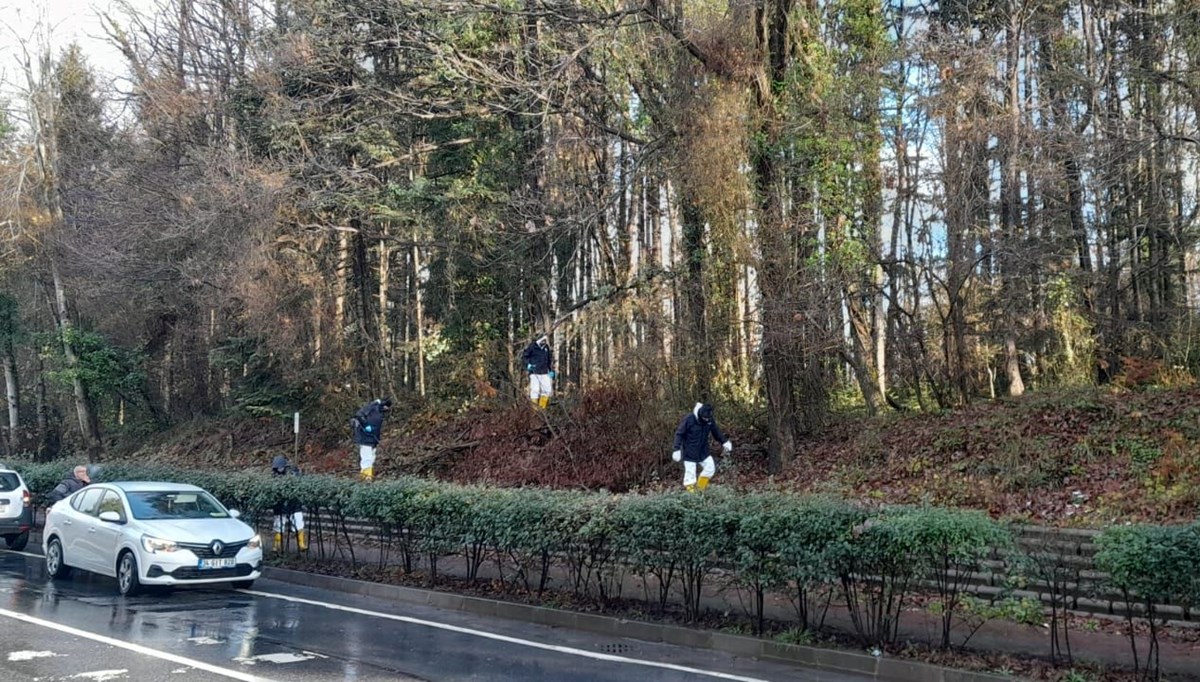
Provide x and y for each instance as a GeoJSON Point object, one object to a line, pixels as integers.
{"type": "Point", "coordinates": [691, 445]}
{"type": "Point", "coordinates": [539, 362]}
{"type": "Point", "coordinates": [288, 510]}
{"type": "Point", "coordinates": [367, 424]}
{"type": "Point", "coordinates": [69, 485]}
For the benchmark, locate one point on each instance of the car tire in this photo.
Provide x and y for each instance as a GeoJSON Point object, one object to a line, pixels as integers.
{"type": "Point", "coordinates": [56, 564]}
{"type": "Point", "coordinates": [17, 542]}
{"type": "Point", "coordinates": [242, 584]}
{"type": "Point", "coordinates": [129, 582]}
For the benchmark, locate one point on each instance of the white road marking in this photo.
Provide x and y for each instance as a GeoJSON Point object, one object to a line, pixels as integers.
{"type": "Point", "coordinates": [101, 675]}
{"type": "Point", "coordinates": [511, 640]}
{"type": "Point", "coordinates": [13, 551]}
{"type": "Point", "coordinates": [283, 657]}
{"type": "Point", "coordinates": [29, 655]}
{"type": "Point", "coordinates": [314, 654]}
{"type": "Point", "coordinates": [203, 640]}
{"type": "Point", "coordinates": [129, 646]}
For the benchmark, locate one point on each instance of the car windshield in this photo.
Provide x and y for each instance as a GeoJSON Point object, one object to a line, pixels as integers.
{"type": "Point", "coordinates": [151, 506]}
{"type": "Point", "coordinates": [8, 482]}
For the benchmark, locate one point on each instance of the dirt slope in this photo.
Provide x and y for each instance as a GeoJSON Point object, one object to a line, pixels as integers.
{"type": "Point", "coordinates": [1087, 457]}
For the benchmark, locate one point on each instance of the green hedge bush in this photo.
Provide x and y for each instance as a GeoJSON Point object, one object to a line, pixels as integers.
{"type": "Point", "coordinates": [812, 549]}
{"type": "Point", "coordinates": [1151, 565]}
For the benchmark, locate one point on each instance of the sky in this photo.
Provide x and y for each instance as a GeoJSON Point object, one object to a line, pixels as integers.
{"type": "Point", "coordinates": [67, 21]}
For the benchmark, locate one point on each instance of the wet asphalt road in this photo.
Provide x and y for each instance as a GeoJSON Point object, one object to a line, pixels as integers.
{"type": "Point", "coordinates": [81, 629]}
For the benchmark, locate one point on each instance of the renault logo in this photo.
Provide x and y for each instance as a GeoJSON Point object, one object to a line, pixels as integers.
{"type": "Point", "coordinates": [217, 547]}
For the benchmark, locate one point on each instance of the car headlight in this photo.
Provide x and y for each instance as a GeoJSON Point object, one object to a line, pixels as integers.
{"type": "Point", "coordinates": [154, 545]}
{"type": "Point", "coordinates": [255, 542]}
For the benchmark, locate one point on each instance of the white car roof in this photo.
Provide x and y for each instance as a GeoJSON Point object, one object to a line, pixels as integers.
{"type": "Point", "coordinates": [153, 487]}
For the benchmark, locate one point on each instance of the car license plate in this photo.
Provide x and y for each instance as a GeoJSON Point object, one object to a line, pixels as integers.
{"type": "Point", "coordinates": [218, 563]}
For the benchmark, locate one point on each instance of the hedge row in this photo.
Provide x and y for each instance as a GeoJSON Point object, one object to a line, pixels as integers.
{"type": "Point", "coordinates": [810, 548]}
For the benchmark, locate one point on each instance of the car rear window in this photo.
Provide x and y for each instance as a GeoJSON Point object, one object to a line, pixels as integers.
{"type": "Point", "coordinates": [9, 482]}
{"type": "Point", "coordinates": [85, 500]}
{"type": "Point", "coordinates": [152, 506]}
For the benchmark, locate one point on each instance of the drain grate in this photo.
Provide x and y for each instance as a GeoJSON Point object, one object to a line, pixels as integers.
{"type": "Point", "coordinates": [615, 648]}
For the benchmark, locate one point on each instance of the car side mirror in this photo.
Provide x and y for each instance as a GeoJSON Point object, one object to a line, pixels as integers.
{"type": "Point", "coordinates": [235, 513]}
{"type": "Point", "coordinates": [111, 517]}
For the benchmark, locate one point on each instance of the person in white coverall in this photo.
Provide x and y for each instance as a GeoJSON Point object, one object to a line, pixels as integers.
{"type": "Point", "coordinates": [539, 362]}
{"type": "Point", "coordinates": [691, 446]}
{"type": "Point", "coordinates": [288, 511]}
{"type": "Point", "coordinates": [367, 424]}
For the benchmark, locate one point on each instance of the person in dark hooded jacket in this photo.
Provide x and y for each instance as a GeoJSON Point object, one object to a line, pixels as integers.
{"type": "Point", "coordinates": [368, 424]}
{"type": "Point", "coordinates": [691, 446]}
{"type": "Point", "coordinates": [539, 362]}
{"type": "Point", "coordinates": [69, 485]}
{"type": "Point", "coordinates": [288, 511]}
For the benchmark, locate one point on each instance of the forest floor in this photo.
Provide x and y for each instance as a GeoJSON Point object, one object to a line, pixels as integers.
{"type": "Point", "coordinates": [1084, 457]}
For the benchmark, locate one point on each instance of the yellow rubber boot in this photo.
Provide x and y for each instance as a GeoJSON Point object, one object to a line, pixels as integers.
{"type": "Point", "coordinates": [302, 540]}
{"type": "Point", "coordinates": [544, 402]}
{"type": "Point", "coordinates": [702, 483]}
{"type": "Point", "coordinates": [368, 473]}
{"type": "Point", "coordinates": [278, 541]}
{"type": "Point", "coordinates": [691, 487]}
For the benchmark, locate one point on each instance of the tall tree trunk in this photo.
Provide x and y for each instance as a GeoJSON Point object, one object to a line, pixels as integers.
{"type": "Point", "coordinates": [89, 426]}
{"type": "Point", "coordinates": [384, 323]}
{"type": "Point", "coordinates": [366, 361]}
{"type": "Point", "coordinates": [420, 317]}
{"type": "Point", "coordinates": [1010, 207]}
{"type": "Point", "coordinates": [47, 444]}
{"type": "Point", "coordinates": [12, 395]}
{"type": "Point", "coordinates": [777, 257]}
{"type": "Point", "coordinates": [341, 288]}
{"type": "Point", "coordinates": [699, 353]}
{"type": "Point", "coordinates": [862, 352]}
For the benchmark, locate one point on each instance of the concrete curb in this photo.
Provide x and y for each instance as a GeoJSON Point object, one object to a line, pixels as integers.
{"type": "Point", "coordinates": [883, 669]}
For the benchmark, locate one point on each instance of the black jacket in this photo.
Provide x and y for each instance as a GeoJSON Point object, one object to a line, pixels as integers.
{"type": "Point", "coordinates": [538, 356]}
{"type": "Point", "coordinates": [692, 436]}
{"type": "Point", "coordinates": [368, 422]}
{"type": "Point", "coordinates": [286, 507]}
{"type": "Point", "coordinates": [64, 489]}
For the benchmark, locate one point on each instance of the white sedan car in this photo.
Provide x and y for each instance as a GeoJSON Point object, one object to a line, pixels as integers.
{"type": "Point", "coordinates": [150, 534]}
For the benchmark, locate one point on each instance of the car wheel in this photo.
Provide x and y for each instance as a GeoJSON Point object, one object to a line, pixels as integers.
{"type": "Point", "coordinates": [17, 542]}
{"type": "Point", "coordinates": [242, 584]}
{"type": "Point", "coordinates": [128, 581]}
{"type": "Point", "coordinates": [55, 564]}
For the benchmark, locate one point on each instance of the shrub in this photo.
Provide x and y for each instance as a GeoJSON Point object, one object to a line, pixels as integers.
{"type": "Point", "coordinates": [877, 568]}
{"type": "Point", "coordinates": [1151, 565]}
{"type": "Point", "coordinates": [950, 544]}
{"type": "Point", "coordinates": [648, 532]}
{"type": "Point", "coordinates": [817, 532]}
{"type": "Point", "coordinates": [594, 558]}
{"type": "Point", "coordinates": [703, 537]}
{"type": "Point", "coordinates": [758, 562]}
{"type": "Point", "coordinates": [674, 541]}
